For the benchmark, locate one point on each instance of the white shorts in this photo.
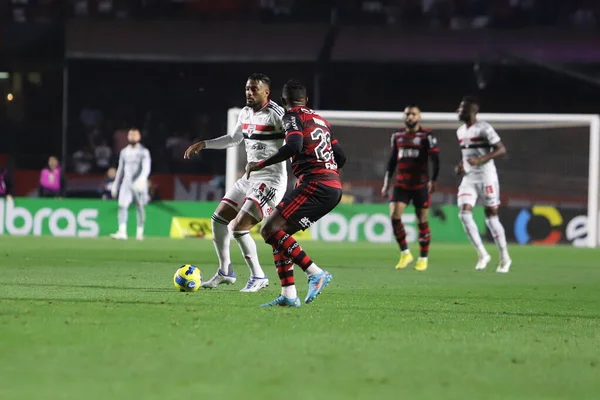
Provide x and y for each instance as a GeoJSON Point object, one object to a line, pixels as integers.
{"type": "Point", "coordinates": [127, 196]}
{"type": "Point", "coordinates": [262, 197]}
{"type": "Point", "coordinates": [488, 190]}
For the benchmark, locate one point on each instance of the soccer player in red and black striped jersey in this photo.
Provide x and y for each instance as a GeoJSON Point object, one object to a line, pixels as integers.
{"type": "Point", "coordinates": [412, 149]}
{"type": "Point", "coordinates": [316, 159]}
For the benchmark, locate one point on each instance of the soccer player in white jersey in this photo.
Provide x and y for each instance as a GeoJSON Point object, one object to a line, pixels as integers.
{"type": "Point", "coordinates": [480, 145]}
{"type": "Point", "coordinates": [249, 200]}
{"type": "Point", "coordinates": [131, 183]}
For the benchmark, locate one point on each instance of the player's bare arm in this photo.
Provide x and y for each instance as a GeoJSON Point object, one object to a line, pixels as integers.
{"type": "Point", "coordinates": [293, 146]}
{"type": "Point", "coordinates": [460, 168]}
{"type": "Point", "coordinates": [194, 149]}
{"type": "Point", "coordinates": [435, 163]}
{"type": "Point", "coordinates": [499, 151]}
{"type": "Point", "coordinates": [391, 167]}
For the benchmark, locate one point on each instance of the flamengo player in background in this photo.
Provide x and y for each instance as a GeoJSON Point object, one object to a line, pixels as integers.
{"type": "Point", "coordinates": [480, 144]}
{"type": "Point", "coordinates": [131, 182]}
{"type": "Point", "coordinates": [249, 200]}
{"type": "Point", "coordinates": [412, 148]}
{"type": "Point", "coordinates": [316, 156]}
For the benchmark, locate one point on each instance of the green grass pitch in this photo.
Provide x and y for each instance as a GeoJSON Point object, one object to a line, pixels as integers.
{"type": "Point", "coordinates": [99, 319]}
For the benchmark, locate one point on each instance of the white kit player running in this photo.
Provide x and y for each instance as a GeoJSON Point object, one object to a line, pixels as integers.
{"type": "Point", "coordinates": [249, 200]}
{"type": "Point", "coordinates": [480, 144]}
{"type": "Point", "coordinates": [131, 182]}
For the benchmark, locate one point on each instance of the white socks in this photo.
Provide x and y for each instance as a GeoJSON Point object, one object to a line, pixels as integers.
{"type": "Point", "coordinates": [248, 248]}
{"type": "Point", "coordinates": [313, 269]}
{"type": "Point", "coordinates": [221, 240]}
{"type": "Point", "coordinates": [497, 230]}
{"type": "Point", "coordinates": [289, 292]}
{"type": "Point", "coordinates": [466, 217]}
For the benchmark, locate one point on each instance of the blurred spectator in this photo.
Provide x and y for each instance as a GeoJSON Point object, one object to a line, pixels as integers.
{"type": "Point", "coordinates": [153, 191]}
{"type": "Point", "coordinates": [102, 154]}
{"type": "Point", "coordinates": [176, 146]}
{"type": "Point", "coordinates": [83, 160]}
{"type": "Point", "coordinates": [52, 180]}
{"type": "Point", "coordinates": [109, 180]}
{"type": "Point", "coordinates": [6, 183]}
{"type": "Point", "coordinates": [347, 196]}
{"type": "Point", "coordinates": [120, 140]}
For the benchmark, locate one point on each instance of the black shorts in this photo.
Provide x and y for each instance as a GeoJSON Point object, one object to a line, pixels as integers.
{"type": "Point", "coordinates": [308, 203]}
{"type": "Point", "coordinates": [419, 197]}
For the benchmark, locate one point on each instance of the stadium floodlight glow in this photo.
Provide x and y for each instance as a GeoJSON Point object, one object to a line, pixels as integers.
{"type": "Point", "coordinates": [586, 124]}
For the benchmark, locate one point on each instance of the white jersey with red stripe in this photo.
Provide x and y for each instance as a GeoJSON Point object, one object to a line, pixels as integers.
{"type": "Point", "coordinates": [475, 141]}
{"type": "Point", "coordinates": [262, 133]}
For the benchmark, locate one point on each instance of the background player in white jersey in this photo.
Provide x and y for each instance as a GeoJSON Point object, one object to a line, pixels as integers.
{"type": "Point", "coordinates": [480, 144]}
{"type": "Point", "coordinates": [131, 183]}
{"type": "Point", "coordinates": [249, 200]}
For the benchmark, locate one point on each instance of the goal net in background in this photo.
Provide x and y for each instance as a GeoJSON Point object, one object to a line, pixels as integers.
{"type": "Point", "coordinates": [553, 159]}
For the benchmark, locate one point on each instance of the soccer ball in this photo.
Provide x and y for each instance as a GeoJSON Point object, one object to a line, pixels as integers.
{"type": "Point", "coordinates": [187, 278]}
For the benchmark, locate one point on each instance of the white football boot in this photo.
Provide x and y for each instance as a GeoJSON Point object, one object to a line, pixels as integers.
{"type": "Point", "coordinates": [254, 284]}
{"type": "Point", "coordinates": [119, 235]}
{"type": "Point", "coordinates": [219, 279]}
{"type": "Point", "coordinates": [504, 266]}
{"type": "Point", "coordinates": [483, 262]}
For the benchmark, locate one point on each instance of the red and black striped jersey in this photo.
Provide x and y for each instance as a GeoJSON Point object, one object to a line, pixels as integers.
{"type": "Point", "coordinates": [316, 161]}
{"type": "Point", "coordinates": [412, 151]}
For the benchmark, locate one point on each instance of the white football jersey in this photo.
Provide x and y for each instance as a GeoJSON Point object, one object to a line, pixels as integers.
{"type": "Point", "coordinates": [475, 141]}
{"type": "Point", "coordinates": [134, 163]}
{"type": "Point", "coordinates": [262, 133]}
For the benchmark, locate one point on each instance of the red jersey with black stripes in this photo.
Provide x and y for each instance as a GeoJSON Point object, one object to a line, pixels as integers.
{"type": "Point", "coordinates": [316, 162]}
{"type": "Point", "coordinates": [412, 157]}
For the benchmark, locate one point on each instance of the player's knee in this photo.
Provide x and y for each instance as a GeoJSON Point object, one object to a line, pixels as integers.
{"type": "Point", "coordinates": [464, 215]}
{"type": "Point", "coordinates": [396, 213]}
{"type": "Point", "coordinates": [491, 211]}
{"type": "Point", "coordinates": [242, 224]}
{"type": "Point", "coordinates": [267, 230]}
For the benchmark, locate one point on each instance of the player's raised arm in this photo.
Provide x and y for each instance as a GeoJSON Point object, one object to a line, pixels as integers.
{"type": "Point", "coordinates": [391, 167]}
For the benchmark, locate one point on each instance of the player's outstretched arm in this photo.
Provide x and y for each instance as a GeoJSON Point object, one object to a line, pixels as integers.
{"type": "Point", "coordinates": [222, 142]}
{"type": "Point", "coordinates": [293, 146]}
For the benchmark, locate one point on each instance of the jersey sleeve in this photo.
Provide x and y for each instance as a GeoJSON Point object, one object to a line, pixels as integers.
{"type": "Point", "coordinates": [120, 169]}
{"type": "Point", "coordinates": [292, 125]}
{"type": "Point", "coordinates": [233, 138]}
{"type": "Point", "coordinates": [146, 164]}
{"type": "Point", "coordinates": [490, 133]}
{"type": "Point", "coordinates": [432, 144]}
{"type": "Point", "coordinates": [278, 122]}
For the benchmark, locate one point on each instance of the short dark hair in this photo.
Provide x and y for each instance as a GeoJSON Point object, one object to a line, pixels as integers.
{"type": "Point", "coordinates": [413, 105]}
{"type": "Point", "coordinates": [257, 76]}
{"type": "Point", "coordinates": [294, 91]}
{"type": "Point", "coordinates": [471, 100]}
